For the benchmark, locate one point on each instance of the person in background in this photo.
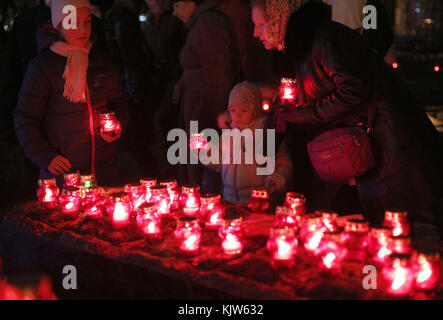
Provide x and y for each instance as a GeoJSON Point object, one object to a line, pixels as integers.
{"type": "Point", "coordinates": [211, 66]}
{"type": "Point", "coordinates": [64, 91]}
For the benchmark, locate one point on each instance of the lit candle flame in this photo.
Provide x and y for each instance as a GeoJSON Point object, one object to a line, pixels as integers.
{"type": "Point", "coordinates": [397, 231]}
{"type": "Point", "coordinates": [383, 252]}
{"type": "Point", "coordinates": [425, 272]}
{"type": "Point", "coordinates": [329, 259]}
{"type": "Point", "coordinates": [314, 241]}
{"type": "Point", "coordinates": [151, 228]}
{"type": "Point", "coordinates": [69, 205]}
{"type": "Point", "coordinates": [191, 243]}
{"type": "Point", "coordinates": [284, 250]}
{"type": "Point", "coordinates": [120, 213]}
{"type": "Point", "coordinates": [48, 195]}
{"type": "Point", "coordinates": [399, 278]}
{"type": "Point", "coordinates": [232, 243]}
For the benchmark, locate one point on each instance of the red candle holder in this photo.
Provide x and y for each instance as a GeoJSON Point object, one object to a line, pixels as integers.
{"type": "Point", "coordinates": [398, 275]}
{"type": "Point", "coordinates": [88, 181]}
{"type": "Point", "coordinates": [72, 179]}
{"type": "Point", "coordinates": [190, 199]}
{"type": "Point", "coordinates": [282, 245]}
{"type": "Point", "coordinates": [398, 221]}
{"type": "Point", "coordinates": [297, 203]}
{"type": "Point", "coordinates": [198, 141]}
{"type": "Point", "coordinates": [148, 183]}
{"type": "Point", "coordinates": [427, 269]}
{"type": "Point", "coordinates": [212, 211]}
{"type": "Point", "coordinates": [47, 193]}
{"type": "Point", "coordinates": [287, 90]}
{"type": "Point", "coordinates": [93, 203]}
{"type": "Point", "coordinates": [329, 220]}
{"type": "Point", "coordinates": [160, 196]}
{"type": "Point", "coordinates": [119, 209]}
{"type": "Point", "coordinates": [356, 239]}
{"type": "Point", "coordinates": [231, 233]}
{"type": "Point", "coordinates": [378, 247]}
{"type": "Point", "coordinates": [399, 245]}
{"type": "Point", "coordinates": [137, 195]}
{"type": "Point", "coordinates": [311, 232]}
{"type": "Point", "coordinates": [70, 201]}
{"type": "Point", "coordinates": [331, 252]}
{"type": "Point", "coordinates": [109, 124]}
{"type": "Point", "coordinates": [284, 216]}
{"type": "Point", "coordinates": [188, 235]}
{"type": "Point", "coordinates": [148, 220]}
{"type": "Point", "coordinates": [259, 201]}
{"type": "Point", "coordinates": [174, 193]}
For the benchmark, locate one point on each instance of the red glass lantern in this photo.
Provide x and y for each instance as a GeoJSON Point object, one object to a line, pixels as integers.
{"type": "Point", "coordinates": [188, 235]}
{"type": "Point", "coordinates": [288, 90]}
{"type": "Point", "coordinates": [148, 183]}
{"type": "Point", "coordinates": [72, 179]}
{"type": "Point", "coordinates": [47, 193]}
{"type": "Point", "coordinates": [109, 124]}
{"type": "Point", "coordinates": [137, 195]}
{"type": "Point", "coordinates": [231, 233]}
{"type": "Point", "coordinates": [259, 201]}
{"type": "Point", "coordinates": [94, 202]}
{"type": "Point", "coordinates": [282, 245]}
{"type": "Point", "coordinates": [160, 196]}
{"type": "Point", "coordinates": [399, 245]}
{"type": "Point", "coordinates": [70, 201]}
{"type": "Point", "coordinates": [356, 239]}
{"type": "Point", "coordinates": [284, 216]}
{"type": "Point", "coordinates": [427, 267]}
{"type": "Point", "coordinates": [198, 141]}
{"type": "Point", "coordinates": [148, 220]}
{"type": "Point", "coordinates": [311, 232]}
{"type": "Point", "coordinates": [119, 209]}
{"type": "Point", "coordinates": [398, 221]}
{"type": "Point", "coordinates": [329, 220]}
{"type": "Point", "coordinates": [88, 181]}
{"type": "Point", "coordinates": [331, 252]}
{"type": "Point", "coordinates": [211, 211]}
{"type": "Point", "coordinates": [297, 203]}
{"type": "Point", "coordinates": [174, 193]}
{"type": "Point", "coordinates": [398, 275]}
{"type": "Point", "coordinates": [378, 247]}
{"type": "Point", "coordinates": [190, 199]}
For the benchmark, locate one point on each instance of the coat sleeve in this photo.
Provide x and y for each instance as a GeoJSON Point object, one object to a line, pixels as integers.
{"type": "Point", "coordinates": [347, 67]}
{"type": "Point", "coordinates": [29, 116]}
{"type": "Point", "coordinates": [283, 169]}
{"type": "Point", "coordinates": [117, 99]}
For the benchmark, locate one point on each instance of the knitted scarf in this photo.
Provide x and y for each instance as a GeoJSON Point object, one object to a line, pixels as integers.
{"type": "Point", "coordinates": [75, 69]}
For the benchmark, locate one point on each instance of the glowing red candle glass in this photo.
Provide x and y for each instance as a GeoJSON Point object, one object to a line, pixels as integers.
{"type": "Point", "coordinates": [188, 235]}
{"type": "Point", "coordinates": [282, 245]}
{"type": "Point", "coordinates": [378, 247]}
{"type": "Point", "coordinates": [160, 196]}
{"type": "Point", "coordinates": [259, 201]}
{"type": "Point", "coordinates": [109, 124]}
{"type": "Point", "coordinates": [137, 195]}
{"type": "Point", "coordinates": [356, 239]}
{"type": "Point", "coordinates": [288, 90]}
{"type": "Point", "coordinates": [331, 252]}
{"type": "Point", "coordinates": [399, 245]}
{"type": "Point", "coordinates": [427, 268]}
{"type": "Point", "coordinates": [174, 193]}
{"type": "Point", "coordinates": [398, 221]}
{"type": "Point", "coordinates": [190, 199]}
{"type": "Point", "coordinates": [398, 275]}
{"type": "Point", "coordinates": [311, 232]}
{"type": "Point", "coordinates": [211, 211]}
{"type": "Point", "coordinates": [47, 193]}
{"type": "Point", "coordinates": [72, 179]}
{"type": "Point", "coordinates": [284, 216]}
{"type": "Point", "coordinates": [198, 141]}
{"type": "Point", "coordinates": [88, 181]}
{"type": "Point", "coordinates": [297, 203]}
{"type": "Point", "coordinates": [148, 183]}
{"type": "Point", "coordinates": [119, 209]}
{"type": "Point", "coordinates": [148, 220]}
{"type": "Point", "coordinates": [70, 201]}
{"type": "Point", "coordinates": [94, 202]}
{"type": "Point", "coordinates": [231, 233]}
{"type": "Point", "coordinates": [329, 220]}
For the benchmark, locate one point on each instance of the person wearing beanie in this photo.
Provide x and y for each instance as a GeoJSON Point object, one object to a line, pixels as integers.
{"type": "Point", "coordinates": [65, 90]}
{"type": "Point", "coordinates": [239, 178]}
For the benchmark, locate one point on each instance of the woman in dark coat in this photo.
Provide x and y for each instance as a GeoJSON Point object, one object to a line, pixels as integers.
{"type": "Point", "coordinates": [339, 79]}
{"type": "Point", "coordinates": [52, 119]}
{"type": "Point", "coordinates": [211, 67]}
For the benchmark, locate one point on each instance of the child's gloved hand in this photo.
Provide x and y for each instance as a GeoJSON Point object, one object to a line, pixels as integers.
{"type": "Point", "coordinates": [108, 138]}
{"type": "Point", "coordinates": [59, 165]}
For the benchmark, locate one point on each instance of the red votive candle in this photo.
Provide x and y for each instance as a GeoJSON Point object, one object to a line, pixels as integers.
{"type": "Point", "coordinates": [378, 247]}
{"type": "Point", "coordinates": [259, 201]}
{"type": "Point", "coordinates": [109, 124]}
{"type": "Point", "coordinates": [190, 199]}
{"type": "Point", "coordinates": [331, 252]}
{"type": "Point", "coordinates": [427, 268]}
{"type": "Point", "coordinates": [93, 203]}
{"type": "Point", "coordinates": [70, 201]}
{"type": "Point", "coordinates": [47, 193]}
{"type": "Point", "coordinates": [174, 193]}
{"type": "Point", "coordinates": [137, 195]}
{"type": "Point", "coordinates": [211, 211]}
{"type": "Point", "coordinates": [231, 233]}
{"type": "Point", "coordinates": [398, 275]}
{"type": "Point", "coordinates": [148, 220]}
{"type": "Point", "coordinates": [72, 179]}
{"type": "Point", "coordinates": [282, 245]}
{"type": "Point", "coordinates": [284, 216]}
{"type": "Point", "coordinates": [88, 181]}
{"type": "Point", "coordinates": [287, 90]}
{"type": "Point", "coordinates": [329, 220]}
{"type": "Point", "coordinates": [188, 235]}
{"type": "Point", "coordinates": [311, 232]}
{"type": "Point", "coordinates": [356, 239]}
{"type": "Point", "coordinates": [148, 183]}
{"type": "Point", "coordinates": [398, 221]}
{"type": "Point", "coordinates": [198, 141]}
{"type": "Point", "coordinates": [160, 196]}
{"type": "Point", "coordinates": [297, 203]}
{"type": "Point", "coordinates": [399, 245]}
{"type": "Point", "coordinates": [119, 209]}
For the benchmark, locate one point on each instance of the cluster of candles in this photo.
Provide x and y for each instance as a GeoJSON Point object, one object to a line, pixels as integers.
{"type": "Point", "coordinates": [318, 234]}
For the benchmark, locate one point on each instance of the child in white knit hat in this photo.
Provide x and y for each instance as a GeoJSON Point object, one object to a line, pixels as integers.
{"type": "Point", "coordinates": [245, 110]}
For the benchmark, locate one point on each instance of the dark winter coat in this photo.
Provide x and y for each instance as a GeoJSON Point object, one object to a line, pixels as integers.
{"type": "Point", "coordinates": [211, 65]}
{"type": "Point", "coordinates": [47, 124]}
{"type": "Point", "coordinates": [339, 78]}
